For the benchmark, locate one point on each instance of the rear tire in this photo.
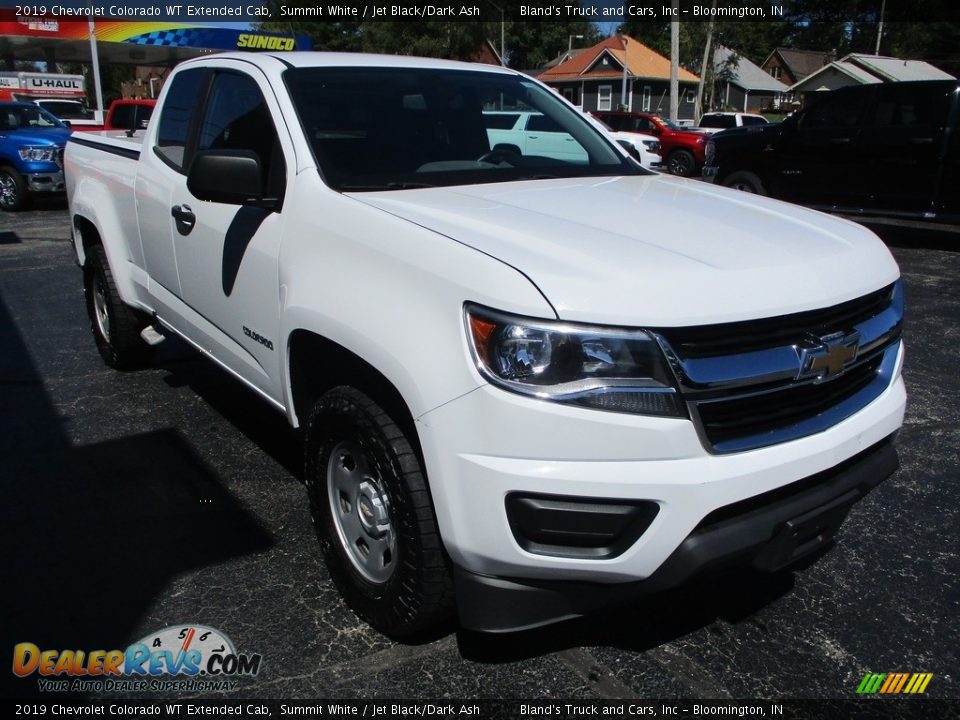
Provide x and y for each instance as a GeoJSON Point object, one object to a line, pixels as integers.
{"type": "Point", "coordinates": [373, 516]}
{"type": "Point", "coordinates": [745, 181]}
{"type": "Point", "coordinates": [116, 326]}
{"type": "Point", "coordinates": [13, 190]}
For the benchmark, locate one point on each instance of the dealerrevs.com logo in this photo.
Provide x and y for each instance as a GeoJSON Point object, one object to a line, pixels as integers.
{"type": "Point", "coordinates": [177, 658]}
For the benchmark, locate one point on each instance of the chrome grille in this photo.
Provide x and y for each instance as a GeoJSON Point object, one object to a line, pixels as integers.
{"type": "Point", "coordinates": [748, 385]}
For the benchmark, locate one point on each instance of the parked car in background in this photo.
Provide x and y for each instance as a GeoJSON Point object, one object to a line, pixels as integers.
{"type": "Point", "coordinates": [682, 150]}
{"type": "Point", "coordinates": [888, 151]}
{"type": "Point", "coordinates": [74, 112]}
{"type": "Point", "coordinates": [531, 133]}
{"type": "Point", "coordinates": [715, 121]}
{"type": "Point", "coordinates": [31, 153]}
{"type": "Point", "coordinates": [129, 114]}
{"type": "Point", "coordinates": [644, 148]}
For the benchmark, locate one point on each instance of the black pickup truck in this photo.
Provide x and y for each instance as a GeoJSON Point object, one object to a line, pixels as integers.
{"type": "Point", "coordinates": [886, 151]}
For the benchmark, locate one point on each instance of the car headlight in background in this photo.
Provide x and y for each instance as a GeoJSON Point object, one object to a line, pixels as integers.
{"type": "Point", "coordinates": [710, 152]}
{"type": "Point", "coordinates": [652, 145]}
{"type": "Point", "coordinates": [43, 153]}
{"type": "Point", "coordinates": [621, 370]}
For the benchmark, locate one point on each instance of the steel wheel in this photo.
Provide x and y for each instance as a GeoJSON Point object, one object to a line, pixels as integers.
{"type": "Point", "coordinates": [100, 313]}
{"type": "Point", "coordinates": [361, 513]}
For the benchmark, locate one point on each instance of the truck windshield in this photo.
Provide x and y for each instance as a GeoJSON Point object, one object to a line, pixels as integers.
{"type": "Point", "coordinates": [27, 117]}
{"type": "Point", "coordinates": [395, 128]}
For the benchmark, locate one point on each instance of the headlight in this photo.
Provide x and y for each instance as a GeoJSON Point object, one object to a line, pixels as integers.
{"type": "Point", "coordinates": [652, 145]}
{"type": "Point", "coordinates": [598, 367]}
{"type": "Point", "coordinates": [43, 153]}
{"type": "Point", "coordinates": [710, 152]}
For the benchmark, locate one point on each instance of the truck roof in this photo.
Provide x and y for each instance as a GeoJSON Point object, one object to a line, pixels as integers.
{"type": "Point", "coordinates": [310, 59]}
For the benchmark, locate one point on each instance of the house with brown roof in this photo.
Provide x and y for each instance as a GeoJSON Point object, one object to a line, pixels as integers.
{"type": "Point", "coordinates": [790, 66]}
{"type": "Point", "coordinates": [594, 79]}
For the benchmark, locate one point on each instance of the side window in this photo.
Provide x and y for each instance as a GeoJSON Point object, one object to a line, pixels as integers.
{"type": "Point", "coordinates": [237, 118]}
{"type": "Point", "coordinates": [911, 106]}
{"type": "Point", "coordinates": [541, 123]}
{"type": "Point", "coordinates": [123, 116]}
{"type": "Point", "coordinates": [500, 121]}
{"type": "Point", "coordinates": [182, 101]}
{"type": "Point", "coordinates": [839, 110]}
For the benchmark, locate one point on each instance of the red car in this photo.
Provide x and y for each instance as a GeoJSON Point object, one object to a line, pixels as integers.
{"type": "Point", "coordinates": [682, 150]}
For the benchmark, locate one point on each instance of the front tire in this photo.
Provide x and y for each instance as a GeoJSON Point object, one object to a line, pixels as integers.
{"type": "Point", "coordinates": [116, 326]}
{"type": "Point", "coordinates": [746, 182]}
{"type": "Point", "coordinates": [13, 190]}
{"type": "Point", "coordinates": [373, 515]}
{"type": "Point", "coordinates": [682, 163]}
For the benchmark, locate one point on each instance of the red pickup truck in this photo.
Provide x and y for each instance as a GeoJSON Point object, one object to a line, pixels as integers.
{"type": "Point", "coordinates": [682, 150]}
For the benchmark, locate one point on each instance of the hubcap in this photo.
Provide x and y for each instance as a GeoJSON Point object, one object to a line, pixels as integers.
{"type": "Point", "coordinates": [100, 313]}
{"type": "Point", "coordinates": [8, 191]}
{"type": "Point", "coordinates": [361, 513]}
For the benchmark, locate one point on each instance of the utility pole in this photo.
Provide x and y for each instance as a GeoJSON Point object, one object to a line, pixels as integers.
{"type": "Point", "coordinates": [675, 61]}
{"type": "Point", "coordinates": [623, 86]}
{"type": "Point", "coordinates": [883, 6]}
{"type": "Point", "coordinates": [95, 65]}
{"type": "Point", "coordinates": [703, 67]}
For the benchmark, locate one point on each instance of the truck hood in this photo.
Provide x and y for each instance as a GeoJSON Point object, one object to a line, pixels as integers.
{"type": "Point", "coordinates": [654, 250]}
{"type": "Point", "coordinates": [47, 136]}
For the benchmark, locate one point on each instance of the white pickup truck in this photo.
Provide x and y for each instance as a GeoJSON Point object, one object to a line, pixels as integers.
{"type": "Point", "coordinates": [528, 388]}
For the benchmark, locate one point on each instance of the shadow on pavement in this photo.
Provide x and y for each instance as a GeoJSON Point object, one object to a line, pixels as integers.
{"type": "Point", "coordinates": [93, 534]}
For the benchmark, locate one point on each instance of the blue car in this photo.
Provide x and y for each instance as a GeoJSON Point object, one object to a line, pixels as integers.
{"type": "Point", "coordinates": [31, 153]}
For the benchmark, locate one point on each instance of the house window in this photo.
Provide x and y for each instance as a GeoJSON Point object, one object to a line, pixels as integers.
{"type": "Point", "coordinates": [568, 94]}
{"type": "Point", "coordinates": [691, 96]}
{"type": "Point", "coordinates": [646, 98]}
{"type": "Point", "coordinates": [775, 72]}
{"type": "Point", "coordinates": [604, 97]}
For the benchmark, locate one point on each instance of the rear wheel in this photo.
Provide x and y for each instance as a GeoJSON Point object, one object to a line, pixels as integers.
{"type": "Point", "coordinates": [682, 163]}
{"type": "Point", "coordinates": [13, 190]}
{"type": "Point", "coordinates": [116, 326]}
{"type": "Point", "coordinates": [374, 517]}
{"type": "Point", "coordinates": [745, 181]}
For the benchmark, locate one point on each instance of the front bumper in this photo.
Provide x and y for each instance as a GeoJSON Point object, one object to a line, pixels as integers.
{"type": "Point", "coordinates": [490, 445]}
{"type": "Point", "coordinates": [45, 182]}
{"type": "Point", "coordinates": [709, 173]}
{"type": "Point", "coordinates": [769, 532]}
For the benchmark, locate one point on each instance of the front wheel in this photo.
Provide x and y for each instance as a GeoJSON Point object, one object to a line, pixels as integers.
{"type": "Point", "coordinates": [13, 190]}
{"type": "Point", "coordinates": [373, 515]}
{"type": "Point", "coordinates": [116, 327]}
{"type": "Point", "coordinates": [682, 163]}
{"type": "Point", "coordinates": [745, 181]}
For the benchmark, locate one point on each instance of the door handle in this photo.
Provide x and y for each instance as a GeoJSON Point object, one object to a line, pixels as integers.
{"type": "Point", "coordinates": [184, 217]}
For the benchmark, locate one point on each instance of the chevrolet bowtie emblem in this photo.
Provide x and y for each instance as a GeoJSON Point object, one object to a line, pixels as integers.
{"type": "Point", "coordinates": [828, 356]}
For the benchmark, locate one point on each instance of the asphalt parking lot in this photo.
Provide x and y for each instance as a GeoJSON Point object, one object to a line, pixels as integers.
{"type": "Point", "coordinates": [137, 501]}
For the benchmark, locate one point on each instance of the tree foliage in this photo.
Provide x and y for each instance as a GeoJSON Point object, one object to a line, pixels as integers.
{"type": "Point", "coordinates": [843, 26]}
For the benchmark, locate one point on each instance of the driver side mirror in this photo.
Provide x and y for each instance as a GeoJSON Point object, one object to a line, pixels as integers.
{"type": "Point", "coordinates": [233, 177]}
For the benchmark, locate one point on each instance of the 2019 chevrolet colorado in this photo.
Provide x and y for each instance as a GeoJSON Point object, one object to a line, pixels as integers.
{"type": "Point", "coordinates": [528, 385]}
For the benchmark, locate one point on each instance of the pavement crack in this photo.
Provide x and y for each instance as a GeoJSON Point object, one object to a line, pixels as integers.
{"type": "Point", "coordinates": [595, 674]}
{"type": "Point", "coordinates": [688, 672]}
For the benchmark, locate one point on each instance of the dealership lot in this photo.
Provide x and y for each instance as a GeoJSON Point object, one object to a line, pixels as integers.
{"type": "Point", "coordinates": [171, 496]}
